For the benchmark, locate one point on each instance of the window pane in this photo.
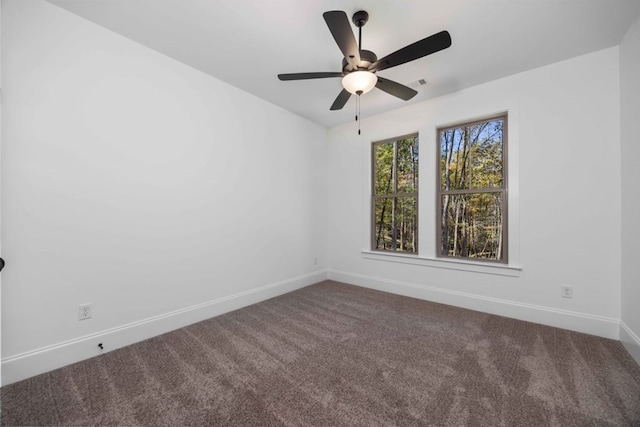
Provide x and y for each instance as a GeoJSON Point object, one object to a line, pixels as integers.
{"type": "Point", "coordinates": [401, 234]}
{"type": "Point", "coordinates": [454, 158]}
{"type": "Point", "coordinates": [407, 165]}
{"type": "Point", "coordinates": [486, 155]}
{"type": "Point", "coordinates": [471, 157]}
{"type": "Point", "coordinates": [383, 157]}
{"type": "Point", "coordinates": [407, 224]}
{"type": "Point", "coordinates": [383, 232]}
{"type": "Point", "coordinates": [472, 225]}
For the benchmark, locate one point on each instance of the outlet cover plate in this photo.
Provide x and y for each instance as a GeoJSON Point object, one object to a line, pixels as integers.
{"type": "Point", "coordinates": [566, 291]}
{"type": "Point", "coordinates": [84, 311]}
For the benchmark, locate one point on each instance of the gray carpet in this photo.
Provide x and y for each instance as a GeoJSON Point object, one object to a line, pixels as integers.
{"type": "Point", "coordinates": [338, 355]}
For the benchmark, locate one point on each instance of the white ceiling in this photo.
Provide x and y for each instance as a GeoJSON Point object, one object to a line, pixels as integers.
{"type": "Point", "coordinates": [246, 43]}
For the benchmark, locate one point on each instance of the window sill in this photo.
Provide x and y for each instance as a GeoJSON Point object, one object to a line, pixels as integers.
{"type": "Point", "coordinates": [450, 264]}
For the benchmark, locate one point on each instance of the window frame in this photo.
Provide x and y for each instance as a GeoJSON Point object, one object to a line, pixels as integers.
{"type": "Point", "coordinates": [394, 194]}
{"type": "Point", "coordinates": [504, 190]}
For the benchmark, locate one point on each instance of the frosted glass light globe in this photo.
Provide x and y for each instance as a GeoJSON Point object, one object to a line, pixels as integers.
{"type": "Point", "coordinates": [359, 82]}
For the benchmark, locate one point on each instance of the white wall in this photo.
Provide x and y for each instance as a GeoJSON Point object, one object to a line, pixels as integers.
{"type": "Point", "coordinates": [0, 181]}
{"type": "Point", "coordinates": [630, 155]}
{"type": "Point", "coordinates": [564, 156]}
{"type": "Point", "coordinates": [153, 191]}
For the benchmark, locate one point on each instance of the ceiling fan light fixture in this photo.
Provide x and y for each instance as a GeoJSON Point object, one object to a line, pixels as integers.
{"type": "Point", "coordinates": [359, 82]}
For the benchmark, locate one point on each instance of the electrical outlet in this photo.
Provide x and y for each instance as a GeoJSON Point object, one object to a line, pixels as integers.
{"type": "Point", "coordinates": [84, 311]}
{"type": "Point", "coordinates": [566, 291]}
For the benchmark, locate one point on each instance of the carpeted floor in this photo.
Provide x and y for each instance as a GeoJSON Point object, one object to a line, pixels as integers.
{"type": "Point", "coordinates": [339, 355]}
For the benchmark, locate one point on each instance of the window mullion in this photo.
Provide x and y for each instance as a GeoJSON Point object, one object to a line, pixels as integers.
{"type": "Point", "coordinates": [473, 191]}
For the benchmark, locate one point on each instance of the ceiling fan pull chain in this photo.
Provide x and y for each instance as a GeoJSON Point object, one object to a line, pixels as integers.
{"type": "Point", "coordinates": [357, 98]}
{"type": "Point", "coordinates": [358, 112]}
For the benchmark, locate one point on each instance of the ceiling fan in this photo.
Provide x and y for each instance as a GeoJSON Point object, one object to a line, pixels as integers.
{"type": "Point", "coordinates": [359, 66]}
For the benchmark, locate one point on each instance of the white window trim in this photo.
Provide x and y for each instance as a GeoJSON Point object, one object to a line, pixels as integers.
{"type": "Point", "coordinates": [428, 151]}
{"type": "Point", "coordinates": [446, 263]}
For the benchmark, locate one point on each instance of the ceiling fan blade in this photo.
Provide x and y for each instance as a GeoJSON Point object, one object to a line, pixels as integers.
{"type": "Point", "coordinates": [424, 47]}
{"type": "Point", "coordinates": [395, 89]}
{"type": "Point", "coordinates": [340, 28]}
{"type": "Point", "coordinates": [342, 99]}
{"type": "Point", "coordinates": [305, 76]}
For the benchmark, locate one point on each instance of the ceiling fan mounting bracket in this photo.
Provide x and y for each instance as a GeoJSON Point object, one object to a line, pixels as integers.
{"type": "Point", "coordinates": [366, 59]}
{"type": "Point", "coordinates": [360, 18]}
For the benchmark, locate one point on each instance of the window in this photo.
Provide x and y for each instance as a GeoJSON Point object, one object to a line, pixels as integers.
{"type": "Point", "coordinates": [472, 190]}
{"type": "Point", "coordinates": [394, 203]}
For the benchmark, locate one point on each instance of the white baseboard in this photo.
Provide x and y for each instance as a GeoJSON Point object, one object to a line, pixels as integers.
{"type": "Point", "coordinates": [580, 322]}
{"type": "Point", "coordinates": [630, 341]}
{"type": "Point", "coordinates": [25, 365]}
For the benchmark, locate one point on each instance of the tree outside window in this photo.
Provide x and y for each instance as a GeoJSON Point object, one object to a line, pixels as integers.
{"type": "Point", "coordinates": [395, 195]}
{"type": "Point", "coordinates": [472, 190]}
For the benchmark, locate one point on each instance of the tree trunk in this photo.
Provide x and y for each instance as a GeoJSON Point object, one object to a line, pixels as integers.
{"type": "Point", "coordinates": [447, 187]}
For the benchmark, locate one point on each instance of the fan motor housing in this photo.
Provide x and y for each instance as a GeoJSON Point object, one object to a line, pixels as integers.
{"type": "Point", "coordinates": [366, 59]}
